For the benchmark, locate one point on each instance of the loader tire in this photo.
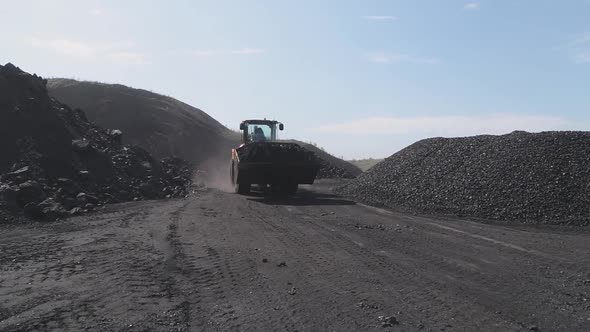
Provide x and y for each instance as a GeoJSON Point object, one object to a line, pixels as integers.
{"type": "Point", "coordinates": [243, 188]}
{"type": "Point", "coordinates": [239, 188]}
{"type": "Point", "coordinates": [232, 175]}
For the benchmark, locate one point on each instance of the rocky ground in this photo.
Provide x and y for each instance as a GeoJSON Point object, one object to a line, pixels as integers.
{"type": "Point", "coordinates": [56, 163]}
{"type": "Point", "coordinates": [315, 262]}
{"type": "Point", "coordinates": [522, 177]}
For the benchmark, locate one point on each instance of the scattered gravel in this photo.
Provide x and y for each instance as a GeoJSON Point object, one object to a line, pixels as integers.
{"type": "Point", "coordinates": [540, 178]}
{"type": "Point", "coordinates": [388, 321]}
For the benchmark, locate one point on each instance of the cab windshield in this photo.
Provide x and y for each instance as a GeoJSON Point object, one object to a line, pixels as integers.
{"type": "Point", "coordinates": [259, 133]}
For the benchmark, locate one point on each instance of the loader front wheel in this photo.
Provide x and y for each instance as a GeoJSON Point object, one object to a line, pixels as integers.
{"type": "Point", "coordinates": [239, 188]}
{"type": "Point", "coordinates": [243, 188]}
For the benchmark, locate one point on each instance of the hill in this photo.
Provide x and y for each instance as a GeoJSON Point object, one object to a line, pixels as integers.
{"type": "Point", "coordinates": [524, 177]}
{"type": "Point", "coordinates": [162, 125]}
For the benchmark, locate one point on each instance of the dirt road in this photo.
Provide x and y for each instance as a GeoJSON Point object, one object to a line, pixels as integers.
{"type": "Point", "coordinates": [219, 262]}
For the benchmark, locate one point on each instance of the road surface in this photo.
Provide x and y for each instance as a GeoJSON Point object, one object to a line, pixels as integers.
{"type": "Point", "coordinates": [221, 262]}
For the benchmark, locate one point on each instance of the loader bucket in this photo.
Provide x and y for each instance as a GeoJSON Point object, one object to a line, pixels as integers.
{"type": "Point", "coordinates": [276, 172]}
{"type": "Point", "coordinates": [276, 163]}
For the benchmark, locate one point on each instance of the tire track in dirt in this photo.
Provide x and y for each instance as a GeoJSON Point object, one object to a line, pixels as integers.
{"type": "Point", "coordinates": [481, 279]}
{"type": "Point", "coordinates": [423, 299]}
{"type": "Point", "coordinates": [214, 264]}
{"type": "Point", "coordinates": [476, 290]}
{"type": "Point", "coordinates": [206, 276]}
{"type": "Point", "coordinates": [115, 272]}
{"type": "Point", "coordinates": [316, 259]}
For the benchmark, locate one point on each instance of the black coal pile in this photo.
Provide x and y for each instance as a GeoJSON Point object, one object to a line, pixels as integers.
{"type": "Point", "coordinates": [56, 163]}
{"type": "Point", "coordinates": [541, 178]}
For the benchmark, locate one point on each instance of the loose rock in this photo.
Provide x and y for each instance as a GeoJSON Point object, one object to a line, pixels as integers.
{"type": "Point", "coordinates": [541, 178]}
{"type": "Point", "coordinates": [32, 210]}
{"type": "Point", "coordinates": [388, 321]}
{"type": "Point", "coordinates": [54, 155]}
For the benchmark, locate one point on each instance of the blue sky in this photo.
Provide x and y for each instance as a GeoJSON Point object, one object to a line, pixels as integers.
{"type": "Point", "coordinates": [359, 78]}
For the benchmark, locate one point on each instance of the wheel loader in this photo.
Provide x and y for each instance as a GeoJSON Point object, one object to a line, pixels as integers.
{"type": "Point", "coordinates": [265, 161]}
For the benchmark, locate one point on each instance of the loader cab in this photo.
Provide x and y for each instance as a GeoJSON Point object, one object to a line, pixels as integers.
{"type": "Point", "coordinates": [260, 130]}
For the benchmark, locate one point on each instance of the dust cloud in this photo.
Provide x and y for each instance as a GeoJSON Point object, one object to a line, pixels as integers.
{"type": "Point", "coordinates": [215, 173]}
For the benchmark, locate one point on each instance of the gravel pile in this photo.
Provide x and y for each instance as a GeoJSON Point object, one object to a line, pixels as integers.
{"type": "Point", "coordinates": [54, 162]}
{"type": "Point", "coordinates": [541, 178]}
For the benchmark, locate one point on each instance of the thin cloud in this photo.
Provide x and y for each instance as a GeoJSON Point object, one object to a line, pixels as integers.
{"type": "Point", "coordinates": [578, 48]}
{"type": "Point", "coordinates": [211, 53]}
{"type": "Point", "coordinates": [97, 12]}
{"type": "Point", "coordinates": [116, 52]}
{"type": "Point", "coordinates": [132, 58]}
{"type": "Point", "coordinates": [201, 53]}
{"type": "Point", "coordinates": [380, 18]}
{"type": "Point", "coordinates": [248, 51]}
{"type": "Point", "coordinates": [471, 6]}
{"type": "Point", "coordinates": [580, 40]}
{"type": "Point", "coordinates": [395, 58]}
{"type": "Point", "coordinates": [582, 57]}
{"type": "Point", "coordinates": [66, 47]}
{"type": "Point", "coordinates": [452, 125]}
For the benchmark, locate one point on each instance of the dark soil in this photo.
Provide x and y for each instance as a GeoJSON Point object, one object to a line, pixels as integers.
{"type": "Point", "coordinates": [313, 262]}
{"type": "Point", "coordinates": [522, 177]}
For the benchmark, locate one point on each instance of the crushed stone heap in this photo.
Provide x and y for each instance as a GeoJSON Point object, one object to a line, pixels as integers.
{"type": "Point", "coordinates": [535, 178]}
